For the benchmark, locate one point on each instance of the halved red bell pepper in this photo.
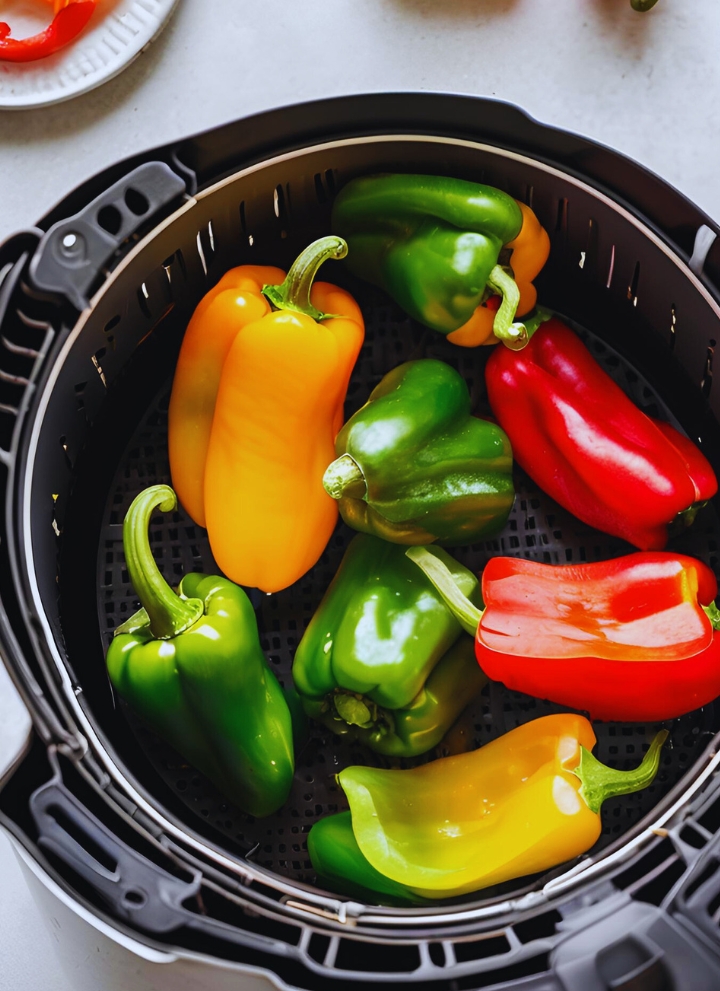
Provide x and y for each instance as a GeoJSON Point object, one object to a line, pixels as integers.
{"type": "Point", "coordinates": [626, 639]}
{"type": "Point", "coordinates": [65, 27]}
{"type": "Point", "coordinates": [586, 444]}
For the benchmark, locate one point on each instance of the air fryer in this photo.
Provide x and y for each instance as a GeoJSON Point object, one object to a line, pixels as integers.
{"type": "Point", "coordinates": [93, 305]}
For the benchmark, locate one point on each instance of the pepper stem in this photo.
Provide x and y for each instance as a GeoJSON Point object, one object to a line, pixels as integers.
{"type": "Point", "coordinates": [169, 614]}
{"type": "Point", "coordinates": [514, 335]}
{"type": "Point", "coordinates": [465, 612]}
{"type": "Point", "coordinates": [600, 782]}
{"type": "Point", "coordinates": [642, 5]}
{"type": "Point", "coordinates": [344, 477]}
{"type": "Point", "coordinates": [713, 614]}
{"type": "Point", "coordinates": [294, 293]}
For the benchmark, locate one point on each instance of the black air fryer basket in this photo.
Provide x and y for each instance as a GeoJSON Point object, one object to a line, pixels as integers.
{"type": "Point", "coordinates": [93, 305]}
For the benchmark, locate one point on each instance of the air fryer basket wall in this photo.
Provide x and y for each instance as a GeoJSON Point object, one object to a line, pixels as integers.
{"type": "Point", "coordinates": [95, 438]}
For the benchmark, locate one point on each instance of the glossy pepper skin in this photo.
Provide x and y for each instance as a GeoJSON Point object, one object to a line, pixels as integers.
{"type": "Point", "coordinates": [415, 467]}
{"type": "Point", "coordinates": [277, 405]}
{"type": "Point", "coordinates": [576, 433]}
{"type": "Point", "coordinates": [524, 803]}
{"type": "Point", "coordinates": [191, 666]}
{"type": "Point", "coordinates": [434, 243]}
{"type": "Point", "coordinates": [384, 660]}
{"type": "Point", "coordinates": [70, 19]}
{"type": "Point", "coordinates": [625, 639]}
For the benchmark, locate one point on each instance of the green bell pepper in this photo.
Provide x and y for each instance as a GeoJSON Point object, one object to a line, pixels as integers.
{"type": "Point", "coordinates": [191, 666]}
{"type": "Point", "coordinates": [415, 467]}
{"type": "Point", "coordinates": [383, 660]}
{"type": "Point", "coordinates": [433, 243]}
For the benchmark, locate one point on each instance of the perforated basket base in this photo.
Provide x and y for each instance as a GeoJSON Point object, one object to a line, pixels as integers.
{"type": "Point", "coordinates": [538, 529]}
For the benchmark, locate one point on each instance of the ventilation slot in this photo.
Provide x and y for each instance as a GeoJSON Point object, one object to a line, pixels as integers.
{"type": "Point", "coordinates": [64, 446]}
{"type": "Point", "coordinates": [611, 268]}
{"type": "Point", "coordinates": [561, 221]}
{"type": "Point", "coordinates": [707, 377]}
{"type": "Point", "coordinates": [481, 949]}
{"type": "Point", "coordinates": [703, 877]}
{"type": "Point", "coordinates": [96, 359]}
{"type": "Point", "coordinates": [673, 326]}
{"type": "Point", "coordinates": [93, 849]}
{"type": "Point", "coordinates": [79, 393]}
{"type": "Point", "coordinates": [378, 958]}
{"type": "Point", "coordinates": [633, 287]}
{"type": "Point", "coordinates": [142, 297]}
{"type": "Point", "coordinates": [320, 191]}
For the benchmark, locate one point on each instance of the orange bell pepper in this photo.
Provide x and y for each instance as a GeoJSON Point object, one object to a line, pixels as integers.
{"type": "Point", "coordinates": [257, 402]}
{"type": "Point", "coordinates": [530, 251]}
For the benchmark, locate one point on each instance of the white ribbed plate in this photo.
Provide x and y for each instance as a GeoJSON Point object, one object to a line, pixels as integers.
{"type": "Point", "coordinates": [117, 33]}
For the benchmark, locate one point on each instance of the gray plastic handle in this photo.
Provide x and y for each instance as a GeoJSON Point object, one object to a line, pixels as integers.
{"type": "Point", "coordinates": [73, 254]}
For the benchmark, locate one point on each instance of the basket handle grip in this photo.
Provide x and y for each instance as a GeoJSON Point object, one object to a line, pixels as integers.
{"type": "Point", "coordinates": [74, 253]}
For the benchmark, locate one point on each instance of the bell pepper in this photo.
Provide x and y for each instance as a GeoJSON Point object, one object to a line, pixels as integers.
{"type": "Point", "coordinates": [70, 19]}
{"type": "Point", "coordinates": [586, 444]}
{"type": "Point", "coordinates": [191, 667]}
{"type": "Point", "coordinates": [414, 466]}
{"type": "Point", "coordinates": [528, 801]}
{"type": "Point", "coordinates": [384, 661]}
{"type": "Point", "coordinates": [630, 639]}
{"type": "Point", "coordinates": [256, 404]}
{"type": "Point", "coordinates": [435, 245]}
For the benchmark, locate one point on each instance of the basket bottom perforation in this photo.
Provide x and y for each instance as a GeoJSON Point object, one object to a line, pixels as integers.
{"type": "Point", "coordinates": [537, 529]}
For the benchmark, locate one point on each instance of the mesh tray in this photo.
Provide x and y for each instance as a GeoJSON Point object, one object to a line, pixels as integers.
{"type": "Point", "coordinates": [538, 529]}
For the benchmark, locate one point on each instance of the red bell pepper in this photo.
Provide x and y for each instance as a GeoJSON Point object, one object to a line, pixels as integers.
{"type": "Point", "coordinates": [626, 639]}
{"type": "Point", "coordinates": [66, 25]}
{"type": "Point", "coordinates": [586, 444]}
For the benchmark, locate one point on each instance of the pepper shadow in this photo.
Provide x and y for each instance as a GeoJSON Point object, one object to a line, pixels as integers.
{"type": "Point", "coordinates": [461, 9]}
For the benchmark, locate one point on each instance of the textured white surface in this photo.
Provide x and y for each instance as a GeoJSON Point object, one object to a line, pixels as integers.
{"type": "Point", "coordinates": [647, 85]}
{"type": "Point", "coordinates": [117, 33]}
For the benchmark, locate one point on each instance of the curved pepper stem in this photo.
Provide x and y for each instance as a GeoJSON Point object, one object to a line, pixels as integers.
{"type": "Point", "coordinates": [514, 335]}
{"type": "Point", "coordinates": [344, 477]}
{"type": "Point", "coordinates": [600, 782]}
{"type": "Point", "coordinates": [169, 614]}
{"type": "Point", "coordinates": [465, 612]}
{"type": "Point", "coordinates": [294, 293]}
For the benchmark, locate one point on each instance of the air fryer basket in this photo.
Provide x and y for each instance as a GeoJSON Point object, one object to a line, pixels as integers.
{"type": "Point", "coordinates": [94, 434]}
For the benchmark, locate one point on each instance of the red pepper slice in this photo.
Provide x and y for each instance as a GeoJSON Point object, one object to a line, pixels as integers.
{"type": "Point", "coordinates": [66, 25]}
{"type": "Point", "coordinates": [586, 444]}
{"type": "Point", "coordinates": [626, 639]}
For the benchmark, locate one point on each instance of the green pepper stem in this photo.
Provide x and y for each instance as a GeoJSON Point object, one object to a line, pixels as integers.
{"type": "Point", "coordinates": [294, 293]}
{"type": "Point", "coordinates": [344, 477]}
{"type": "Point", "coordinates": [514, 335]}
{"type": "Point", "coordinates": [465, 612]}
{"type": "Point", "coordinates": [600, 782]}
{"type": "Point", "coordinates": [713, 614]}
{"type": "Point", "coordinates": [642, 5]}
{"type": "Point", "coordinates": [169, 614]}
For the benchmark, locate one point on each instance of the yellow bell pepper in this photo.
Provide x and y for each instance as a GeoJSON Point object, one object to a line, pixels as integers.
{"type": "Point", "coordinates": [256, 405]}
{"type": "Point", "coordinates": [524, 803]}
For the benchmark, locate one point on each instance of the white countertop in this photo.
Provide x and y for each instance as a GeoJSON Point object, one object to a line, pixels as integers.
{"type": "Point", "coordinates": [647, 85]}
